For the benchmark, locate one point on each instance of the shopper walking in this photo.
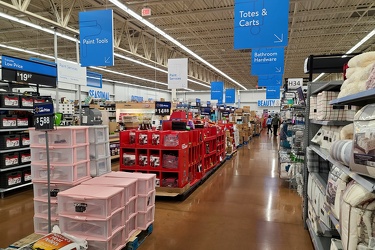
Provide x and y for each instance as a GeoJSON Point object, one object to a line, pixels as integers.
{"type": "Point", "coordinates": [269, 124]}
{"type": "Point", "coordinates": [275, 123]}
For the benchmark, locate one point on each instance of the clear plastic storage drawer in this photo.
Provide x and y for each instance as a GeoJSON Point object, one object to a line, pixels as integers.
{"type": "Point", "coordinates": [41, 224]}
{"type": "Point", "coordinates": [131, 208]}
{"type": "Point", "coordinates": [131, 226]}
{"type": "Point", "coordinates": [41, 189]}
{"type": "Point", "coordinates": [95, 201]}
{"type": "Point", "coordinates": [100, 167]}
{"type": "Point", "coordinates": [146, 201]}
{"type": "Point", "coordinates": [97, 228]}
{"type": "Point", "coordinates": [60, 155]}
{"type": "Point", "coordinates": [61, 173]}
{"type": "Point", "coordinates": [98, 134]}
{"type": "Point", "coordinates": [144, 219]}
{"type": "Point", "coordinates": [116, 242]}
{"type": "Point", "coordinates": [41, 207]}
{"type": "Point", "coordinates": [99, 150]}
{"type": "Point", "coordinates": [61, 137]}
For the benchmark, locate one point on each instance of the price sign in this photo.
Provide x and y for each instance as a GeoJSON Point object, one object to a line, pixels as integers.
{"type": "Point", "coordinates": [44, 122]}
{"type": "Point", "coordinates": [295, 83]}
{"type": "Point", "coordinates": [162, 108]}
{"type": "Point", "coordinates": [44, 117]}
{"type": "Point", "coordinates": [24, 76]}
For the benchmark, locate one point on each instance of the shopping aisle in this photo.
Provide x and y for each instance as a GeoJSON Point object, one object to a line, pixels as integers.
{"type": "Point", "coordinates": [244, 205]}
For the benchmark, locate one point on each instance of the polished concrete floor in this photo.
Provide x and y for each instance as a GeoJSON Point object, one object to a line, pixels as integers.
{"type": "Point", "coordinates": [244, 205]}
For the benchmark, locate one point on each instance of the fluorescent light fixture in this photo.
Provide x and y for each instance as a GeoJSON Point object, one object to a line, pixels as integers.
{"type": "Point", "coordinates": [52, 32]}
{"type": "Point", "coordinates": [110, 71]}
{"type": "Point", "coordinates": [319, 76]}
{"type": "Point", "coordinates": [365, 39]}
{"type": "Point", "coordinates": [171, 39]}
{"type": "Point", "coordinates": [369, 35]}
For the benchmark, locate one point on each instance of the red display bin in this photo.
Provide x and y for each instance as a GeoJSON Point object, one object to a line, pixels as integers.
{"type": "Point", "coordinates": [128, 138]}
{"type": "Point", "coordinates": [174, 139]}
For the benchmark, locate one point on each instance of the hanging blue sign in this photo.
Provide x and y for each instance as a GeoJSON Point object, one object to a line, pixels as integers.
{"type": "Point", "coordinates": [273, 92]}
{"type": "Point", "coordinates": [96, 38]}
{"type": "Point", "coordinates": [260, 23]}
{"type": "Point", "coordinates": [230, 96]}
{"type": "Point", "coordinates": [8, 62]}
{"type": "Point", "coordinates": [217, 91]}
{"type": "Point", "coordinates": [135, 98]}
{"type": "Point", "coordinates": [270, 80]}
{"type": "Point", "coordinates": [267, 61]}
{"type": "Point", "coordinates": [94, 79]}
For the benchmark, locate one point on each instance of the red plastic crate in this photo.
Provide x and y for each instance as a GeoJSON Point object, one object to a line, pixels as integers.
{"type": "Point", "coordinates": [128, 138]}
{"type": "Point", "coordinates": [174, 139]}
{"type": "Point", "coordinates": [166, 125]}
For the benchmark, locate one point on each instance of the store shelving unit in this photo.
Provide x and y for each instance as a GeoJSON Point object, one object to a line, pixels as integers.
{"type": "Point", "coordinates": [312, 128]}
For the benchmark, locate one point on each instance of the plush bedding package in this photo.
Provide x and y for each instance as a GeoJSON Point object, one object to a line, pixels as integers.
{"type": "Point", "coordinates": [363, 153]}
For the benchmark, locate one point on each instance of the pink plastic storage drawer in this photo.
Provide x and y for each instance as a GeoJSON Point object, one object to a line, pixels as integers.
{"type": "Point", "coordinates": [99, 150]}
{"type": "Point", "coordinates": [129, 185]}
{"type": "Point", "coordinates": [131, 208]}
{"type": "Point", "coordinates": [131, 226]}
{"type": "Point", "coordinates": [61, 173]}
{"type": "Point", "coordinates": [41, 224]}
{"type": "Point", "coordinates": [62, 137]}
{"type": "Point", "coordinates": [144, 219]}
{"type": "Point", "coordinates": [116, 242]}
{"type": "Point", "coordinates": [98, 134]}
{"type": "Point", "coordinates": [97, 228]}
{"type": "Point", "coordinates": [146, 182]}
{"type": "Point", "coordinates": [146, 201]}
{"type": "Point", "coordinates": [95, 201]}
{"type": "Point", "coordinates": [100, 167]}
{"type": "Point", "coordinates": [41, 207]}
{"type": "Point", "coordinates": [41, 189]}
{"type": "Point", "coordinates": [60, 155]}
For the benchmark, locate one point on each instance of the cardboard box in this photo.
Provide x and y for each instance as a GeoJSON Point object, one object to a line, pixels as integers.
{"type": "Point", "coordinates": [129, 125]}
{"type": "Point", "coordinates": [239, 111]}
{"type": "Point", "coordinates": [112, 126]}
{"type": "Point", "coordinates": [246, 109]}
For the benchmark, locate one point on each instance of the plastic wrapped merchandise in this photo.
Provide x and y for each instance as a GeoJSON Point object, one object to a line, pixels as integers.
{"type": "Point", "coordinates": [341, 151]}
{"type": "Point", "coordinates": [336, 244]}
{"type": "Point", "coordinates": [363, 156]}
{"type": "Point", "coordinates": [357, 216]}
{"type": "Point", "coordinates": [337, 181]}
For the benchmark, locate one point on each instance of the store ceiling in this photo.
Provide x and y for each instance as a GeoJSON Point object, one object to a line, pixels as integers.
{"type": "Point", "coordinates": [204, 26]}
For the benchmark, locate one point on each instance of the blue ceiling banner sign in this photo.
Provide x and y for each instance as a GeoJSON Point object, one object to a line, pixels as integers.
{"type": "Point", "coordinates": [96, 38]}
{"type": "Point", "coordinates": [8, 62]}
{"type": "Point", "coordinates": [217, 91]}
{"type": "Point", "coordinates": [270, 80]}
{"type": "Point", "coordinates": [267, 61]}
{"type": "Point", "coordinates": [98, 94]}
{"type": "Point", "coordinates": [230, 96]}
{"type": "Point", "coordinates": [94, 79]}
{"type": "Point", "coordinates": [260, 23]}
{"type": "Point", "coordinates": [273, 92]}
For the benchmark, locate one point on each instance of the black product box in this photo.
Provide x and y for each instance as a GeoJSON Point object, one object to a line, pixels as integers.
{"type": "Point", "coordinates": [42, 99]}
{"type": "Point", "coordinates": [9, 141]}
{"type": "Point", "coordinates": [9, 100]}
{"type": "Point", "coordinates": [24, 140]}
{"type": "Point", "coordinates": [26, 101]}
{"type": "Point", "coordinates": [8, 121]}
{"type": "Point", "coordinates": [22, 122]}
{"type": "Point", "coordinates": [26, 175]}
{"type": "Point", "coordinates": [10, 179]}
{"type": "Point", "coordinates": [9, 159]}
{"type": "Point", "coordinates": [24, 157]}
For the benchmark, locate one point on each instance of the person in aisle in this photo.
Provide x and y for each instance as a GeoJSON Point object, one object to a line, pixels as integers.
{"type": "Point", "coordinates": [275, 123]}
{"type": "Point", "coordinates": [269, 124]}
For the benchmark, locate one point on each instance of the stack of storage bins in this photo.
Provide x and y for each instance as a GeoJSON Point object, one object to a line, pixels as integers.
{"type": "Point", "coordinates": [94, 213]}
{"type": "Point", "coordinates": [69, 166]}
{"type": "Point", "coordinates": [129, 187]}
{"type": "Point", "coordinates": [145, 212]}
{"type": "Point", "coordinates": [100, 158]}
